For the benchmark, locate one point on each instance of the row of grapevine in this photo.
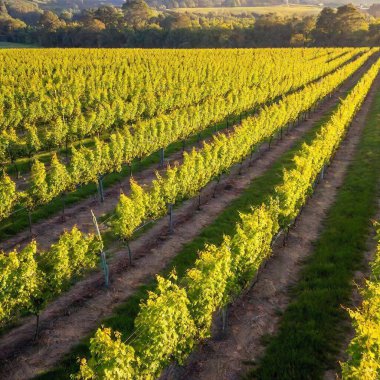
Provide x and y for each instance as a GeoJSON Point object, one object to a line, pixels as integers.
{"type": "Point", "coordinates": [179, 313]}
{"type": "Point", "coordinates": [185, 121]}
{"type": "Point", "coordinates": [364, 349]}
{"type": "Point", "coordinates": [88, 164]}
{"type": "Point", "coordinates": [96, 92]}
{"type": "Point", "coordinates": [200, 167]}
{"type": "Point", "coordinates": [31, 277]}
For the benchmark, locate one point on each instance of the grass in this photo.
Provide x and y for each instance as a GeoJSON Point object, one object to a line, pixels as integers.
{"type": "Point", "coordinates": [15, 45]}
{"type": "Point", "coordinates": [312, 328]}
{"type": "Point", "coordinates": [283, 10]}
{"type": "Point", "coordinates": [124, 315]}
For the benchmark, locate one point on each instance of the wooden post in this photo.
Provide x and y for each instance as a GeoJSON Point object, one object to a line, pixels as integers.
{"type": "Point", "coordinates": [129, 253]}
{"type": "Point", "coordinates": [162, 157]}
{"type": "Point", "coordinates": [30, 223]}
{"type": "Point", "coordinates": [224, 319]}
{"type": "Point", "coordinates": [216, 185]}
{"type": "Point", "coordinates": [170, 213]}
{"type": "Point", "coordinates": [102, 253]}
{"type": "Point", "coordinates": [286, 234]}
{"type": "Point", "coordinates": [241, 166]}
{"type": "Point", "coordinates": [63, 206]}
{"type": "Point", "coordinates": [100, 188]}
{"type": "Point", "coordinates": [130, 169]}
{"type": "Point", "coordinates": [37, 326]}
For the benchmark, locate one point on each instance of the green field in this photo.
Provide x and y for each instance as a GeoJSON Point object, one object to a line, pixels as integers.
{"type": "Point", "coordinates": [284, 10]}
{"type": "Point", "coordinates": [15, 45]}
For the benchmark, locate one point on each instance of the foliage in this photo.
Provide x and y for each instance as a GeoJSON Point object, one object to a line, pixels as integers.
{"type": "Point", "coordinates": [166, 330]}
{"type": "Point", "coordinates": [8, 195]}
{"type": "Point", "coordinates": [116, 359]}
{"type": "Point", "coordinates": [174, 318]}
{"type": "Point", "coordinates": [20, 281]}
{"type": "Point", "coordinates": [30, 278]}
{"type": "Point", "coordinates": [207, 285]}
{"type": "Point", "coordinates": [202, 166]}
{"type": "Point", "coordinates": [56, 118]}
{"type": "Point", "coordinates": [364, 349]}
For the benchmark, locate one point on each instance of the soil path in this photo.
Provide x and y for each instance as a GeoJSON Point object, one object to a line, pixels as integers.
{"type": "Point", "coordinates": [79, 311]}
{"type": "Point", "coordinates": [257, 313]}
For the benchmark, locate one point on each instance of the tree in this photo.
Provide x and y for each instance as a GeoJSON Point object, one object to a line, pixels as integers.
{"type": "Point", "coordinates": [8, 24]}
{"type": "Point", "coordinates": [137, 13]}
{"type": "Point", "coordinates": [304, 26]}
{"type": "Point", "coordinates": [109, 15]}
{"type": "Point", "coordinates": [298, 40]}
{"type": "Point", "coordinates": [324, 31]}
{"type": "Point", "coordinates": [3, 10]}
{"type": "Point", "coordinates": [374, 34]}
{"type": "Point", "coordinates": [50, 21]}
{"type": "Point", "coordinates": [271, 30]}
{"type": "Point", "coordinates": [94, 26]}
{"type": "Point", "coordinates": [349, 25]}
{"type": "Point", "coordinates": [66, 15]}
{"type": "Point", "coordinates": [180, 21]}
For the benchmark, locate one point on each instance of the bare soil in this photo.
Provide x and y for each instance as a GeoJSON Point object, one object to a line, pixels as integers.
{"type": "Point", "coordinates": [79, 311]}
{"type": "Point", "coordinates": [258, 312]}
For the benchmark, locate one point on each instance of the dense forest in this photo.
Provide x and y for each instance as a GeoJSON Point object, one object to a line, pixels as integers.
{"type": "Point", "coordinates": [136, 24]}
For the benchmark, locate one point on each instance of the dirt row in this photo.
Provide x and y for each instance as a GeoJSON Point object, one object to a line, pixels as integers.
{"type": "Point", "coordinates": [76, 313]}
{"type": "Point", "coordinates": [257, 313]}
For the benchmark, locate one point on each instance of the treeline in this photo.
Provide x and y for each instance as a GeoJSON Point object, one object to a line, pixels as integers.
{"type": "Point", "coordinates": [135, 24]}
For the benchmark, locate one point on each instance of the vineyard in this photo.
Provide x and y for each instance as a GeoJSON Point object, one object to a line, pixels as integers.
{"type": "Point", "coordinates": [148, 197]}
